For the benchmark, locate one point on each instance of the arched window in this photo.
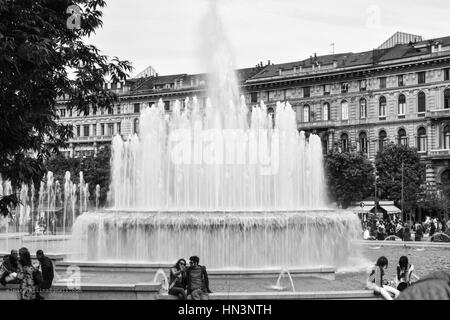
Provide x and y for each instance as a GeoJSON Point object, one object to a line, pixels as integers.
{"type": "Point", "coordinates": [326, 111]}
{"type": "Point", "coordinates": [447, 137]}
{"type": "Point", "coordinates": [363, 142]}
{"type": "Point", "coordinates": [401, 104]}
{"type": "Point", "coordinates": [381, 140]}
{"type": "Point", "coordinates": [382, 110]}
{"type": "Point", "coordinates": [344, 106]}
{"type": "Point", "coordinates": [363, 108]}
{"type": "Point", "coordinates": [447, 98]}
{"type": "Point", "coordinates": [344, 141]}
{"type": "Point", "coordinates": [421, 102]}
{"type": "Point", "coordinates": [402, 138]}
{"type": "Point", "coordinates": [422, 139]}
{"type": "Point", "coordinates": [136, 126]}
{"type": "Point", "coordinates": [306, 114]}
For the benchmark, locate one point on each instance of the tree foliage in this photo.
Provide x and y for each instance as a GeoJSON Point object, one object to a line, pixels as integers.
{"type": "Point", "coordinates": [349, 176]}
{"type": "Point", "coordinates": [96, 170]}
{"type": "Point", "coordinates": [389, 169]}
{"type": "Point", "coordinates": [42, 59]}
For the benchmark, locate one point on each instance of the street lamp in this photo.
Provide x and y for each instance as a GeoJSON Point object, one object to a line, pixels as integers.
{"type": "Point", "coordinates": [403, 165]}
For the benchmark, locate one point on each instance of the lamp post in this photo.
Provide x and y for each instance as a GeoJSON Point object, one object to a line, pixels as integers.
{"type": "Point", "coordinates": [375, 200]}
{"type": "Point", "coordinates": [402, 187]}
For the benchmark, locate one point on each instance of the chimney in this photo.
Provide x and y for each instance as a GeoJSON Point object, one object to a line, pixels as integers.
{"type": "Point", "coordinates": [268, 62]}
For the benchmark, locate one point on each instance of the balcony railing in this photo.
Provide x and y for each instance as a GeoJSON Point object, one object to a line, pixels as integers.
{"type": "Point", "coordinates": [91, 138]}
{"type": "Point", "coordinates": [438, 113]}
{"type": "Point", "coordinates": [439, 153]}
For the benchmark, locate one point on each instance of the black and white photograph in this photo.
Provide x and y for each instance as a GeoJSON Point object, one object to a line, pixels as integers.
{"type": "Point", "coordinates": [245, 152]}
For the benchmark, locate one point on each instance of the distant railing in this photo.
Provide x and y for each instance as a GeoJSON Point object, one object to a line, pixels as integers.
{"type": "Point", "coordinates": [439, 153]}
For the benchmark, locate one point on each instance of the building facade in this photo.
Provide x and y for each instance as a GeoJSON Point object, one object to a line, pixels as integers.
{"type": "Point", "coordinates": [397, 93]}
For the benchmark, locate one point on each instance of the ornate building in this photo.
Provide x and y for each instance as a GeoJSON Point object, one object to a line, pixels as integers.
{"type": "Point", "coordinates": [399, 92]}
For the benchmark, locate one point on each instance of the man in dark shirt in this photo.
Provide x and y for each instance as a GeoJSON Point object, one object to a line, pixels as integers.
{"type": "Point", "coordinates": [197, 280]}
{"type": "Point", "coordinates": [46, 267]}
{"type": "Point", "coordinates": [9, 268]}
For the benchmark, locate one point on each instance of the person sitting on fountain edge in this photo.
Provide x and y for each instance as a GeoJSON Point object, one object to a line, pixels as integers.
{"type": "Point", "coordinates": [9, 268]}
{"type": "Point", "coordinates": [376, 282]}
{"type": "Point", "coordinates": [197, 280]}
{"type": "Point", "coordinates": [46, 268]}
{"type": "Point", "coordinates": [177, 280]}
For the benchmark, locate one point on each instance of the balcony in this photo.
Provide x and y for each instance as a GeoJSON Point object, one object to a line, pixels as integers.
{"type": "Point", "coordinates": [441, 113]}
{"type": "Point", "coordinates": [316, 125]}
{"type": "Point", "coordinates": [90, 139]}
{"type": "Point", "coordinates": [439, 154]}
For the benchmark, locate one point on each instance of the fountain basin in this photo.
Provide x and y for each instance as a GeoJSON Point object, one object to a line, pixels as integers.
{"type": "Point", "coordinates": [222, 239]}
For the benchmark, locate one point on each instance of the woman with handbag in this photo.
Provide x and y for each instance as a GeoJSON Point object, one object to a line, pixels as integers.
{"type": "Point", "coordinates": [177, 280]}
{"type": "Point", "coordinates": [28, 275]}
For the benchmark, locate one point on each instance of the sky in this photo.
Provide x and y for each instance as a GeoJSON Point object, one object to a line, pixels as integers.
{"type": "Point", "coordinates": [169, 34]}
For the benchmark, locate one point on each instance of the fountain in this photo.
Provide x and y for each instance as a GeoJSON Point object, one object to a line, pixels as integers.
{"type": "Point", "coordinates": [236, 185]}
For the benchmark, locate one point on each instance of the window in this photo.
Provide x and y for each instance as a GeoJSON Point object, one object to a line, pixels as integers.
{"type": "Point", "coordinates": [306, 92]}
{"type": "Point", "coordinates": [383, 83]}
{"type": "Point", "coordinates": [422, 139]}
{"type": "Point", "coordinates": [421, 102]}
{"type": "Point", "coordinates": [401, 80]}
{"type": "Point", "coordinates": [110, 129]}
{"type": "Point", "coordinates": [102, 126]}
{"type": "Point", "coordinates": [78, 131]}
{"type": "Point", "coordinates": [70, 112]}
{"type": "Point", "coordinates": [447, 137]}
{"type": "Point", "coordinates": [137, 108]}
{"type": "Point", "coordinates": [325, 143]}
{"type": "Point", "coordinates": [118, 128]}
{"type": "Point", "coordinates": [86, 130]}
{"type": "Point", "coordinates": [136, 126]}
{"type": "Point", "coordinates": [447, 74]}
{"type": "Point", "coordinates": [402, 138]}
{"type": "Point", "coordinates": [401, 104]}
{"type": "Point", "coordinates": [167, 105]}
{"type": "Point", "coordinates": [306, 117]}
{"type": "Point", "coordinates": [344, 108]}
{"type": "Point", "coordinates": [344, 87]}
{"type": "Point", "coordinates": [381, 140]}
{"type": "Point", "coordinates": [362, 108]}
{"type": "Point", "coordinates": [254, 97]}
{"type": "Point", "coordinates": [62, 112]}
{"type": "Point", "coordinates": [326, 111]}
{"type": "Point", "coordinates": [363, 142]}
{"type": "Point", "coordinates": [344, 142]}
{"type": "Point", "coordinates": [382, 110]}
{"type": "Point", "coordinates": [421, 77]}
{"type": "Point", "coordinates": [447, 98]}
{"type": "Point", "coordinates": [326, 89]}
{"type": "Point", "coordinates": [363, 85]}
{"type": "Point", "coordinates": [118, 109]}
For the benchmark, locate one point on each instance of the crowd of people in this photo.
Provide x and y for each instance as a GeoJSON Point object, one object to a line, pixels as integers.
{"type": "Point", "coordinates": [381, 286]}
{"type": "Point", "coordinates": [17, 268]}
{"type": "Point", "coordinates": [380, 229]}
{"type": "Point", "coordinates": [189, 281]}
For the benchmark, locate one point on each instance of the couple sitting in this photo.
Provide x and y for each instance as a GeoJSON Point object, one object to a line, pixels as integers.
{"type": "Point", "coordinates": [194, 279]}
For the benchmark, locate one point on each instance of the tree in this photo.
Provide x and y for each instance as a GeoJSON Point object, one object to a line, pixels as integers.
{"type": "Point", "coordinates": [389, 168]}
{"type": "Point", "coordinates": [41, 59]}
{"type": "Point", "coordinates": [349, 176]}
{"type": "Point", "coordinates": [96, 170]}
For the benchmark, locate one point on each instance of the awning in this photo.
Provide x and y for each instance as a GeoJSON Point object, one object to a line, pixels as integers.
{"type": "Point", "coordinates": [358, 209]}
{"type": "Point", "coordinates": [391, 209]}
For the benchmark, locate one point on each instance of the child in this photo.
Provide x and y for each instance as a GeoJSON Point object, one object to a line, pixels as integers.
{"type": "Point", "coordinates": [404, 273]}
{"type": "Point", "coordinates": [376, 283]}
